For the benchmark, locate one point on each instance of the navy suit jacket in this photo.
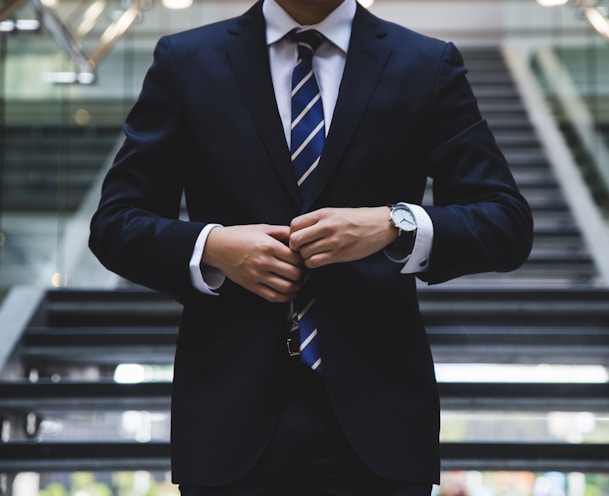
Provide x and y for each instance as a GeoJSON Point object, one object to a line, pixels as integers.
{"type": "Point", "coordinates": [206, 124]}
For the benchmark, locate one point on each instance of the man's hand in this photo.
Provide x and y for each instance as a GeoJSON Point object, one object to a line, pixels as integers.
{"type": "Point", "coordinates": [332, 235]}
{"type": "Point", "coordinates": [258, 258]}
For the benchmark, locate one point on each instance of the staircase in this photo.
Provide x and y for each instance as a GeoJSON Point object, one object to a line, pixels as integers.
{"type": "Point", "coordinates": [60, 406]}
{"type": "Point", "coordinates": [33, 180]}
{"type": "Point", "coordinates": [559, 255]}
{"type": "Point", "coordinates": [46, 170]}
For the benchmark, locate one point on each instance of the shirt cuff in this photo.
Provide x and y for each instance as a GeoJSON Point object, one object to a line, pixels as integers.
{"type": "Point", "coordinates": [206, 279]}
{"type": "Point", "coordinates": [418, 259]}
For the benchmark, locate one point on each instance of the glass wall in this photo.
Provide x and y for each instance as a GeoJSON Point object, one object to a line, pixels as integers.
{"type": "Point", "coordinates": [58, 135]}
{"type": "Point", "coordinates": [66, 84]}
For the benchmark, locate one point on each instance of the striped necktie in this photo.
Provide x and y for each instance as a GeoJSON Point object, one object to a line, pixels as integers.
{"type": "Point", "coordinates": [308, 125]}
{"type": "Point", "coordinates": [307, 141]}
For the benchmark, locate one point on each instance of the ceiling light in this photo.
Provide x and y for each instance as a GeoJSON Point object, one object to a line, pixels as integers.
{"type": "Point", "coordinates": [69, 77]}
{"type": "Point", "coordinates": [552, 3]}
{"type": "Point", "coordinates": [10, 25]}
{"type": "Point", "coordinates": [177, 4]}
{"type": "Point", "coordinates": [27, 24]}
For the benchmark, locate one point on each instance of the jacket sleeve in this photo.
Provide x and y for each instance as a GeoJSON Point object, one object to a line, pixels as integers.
{"type": "Point", "coordinates": [136, 231]}
{"type": "Point", "coordinates": [481, 221]}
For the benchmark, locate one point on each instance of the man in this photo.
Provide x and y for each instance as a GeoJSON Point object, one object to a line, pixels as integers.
{"type": "Point", "coordinates": [266, 401]}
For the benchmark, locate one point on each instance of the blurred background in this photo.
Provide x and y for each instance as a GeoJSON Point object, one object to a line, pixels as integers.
{"type": "Point", "coordinates": [522, 359]}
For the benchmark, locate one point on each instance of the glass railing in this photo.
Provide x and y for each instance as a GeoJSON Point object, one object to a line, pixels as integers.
{"type": "Point", "coordinates": [55, 138]}
{"type": "Point", "coordinates": [69, 73]}
{"type": "Point", "coordinates": [567, 46]}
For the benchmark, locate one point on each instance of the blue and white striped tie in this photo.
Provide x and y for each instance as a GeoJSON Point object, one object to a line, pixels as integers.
{"type": "Point", "coordinates": [307, 142]}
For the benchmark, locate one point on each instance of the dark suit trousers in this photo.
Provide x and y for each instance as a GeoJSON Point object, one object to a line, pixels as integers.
{"type": "Point", "coordinates": [308, 454]}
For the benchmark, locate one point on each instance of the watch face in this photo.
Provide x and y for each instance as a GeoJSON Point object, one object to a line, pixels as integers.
{"type": "Point", "coordinates": [403, 219]}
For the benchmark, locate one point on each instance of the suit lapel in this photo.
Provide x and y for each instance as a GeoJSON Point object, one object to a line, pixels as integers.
{"type": "Point", "coordinates": [365, 61]}
{"type": "Point", "coordinates": [248, 56]}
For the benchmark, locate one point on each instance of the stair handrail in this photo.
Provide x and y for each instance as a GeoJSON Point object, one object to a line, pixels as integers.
{"type": "Point", "coordinates": [594, 16]}
{"type": "Point", "coordinates": [80, 267]}
{"type": "Point", "coordinates": [15, 312]}
{"type": "Point", "coordinates": [586, 212]}
{"type": "Point", "coordinates": [576, 111]}
{"type": "Point", "coordinates": [85, 64]}
{"type": "Point", "coordinates": [63, 37]}
{"type": "Point", "coordinates": [11, 7]}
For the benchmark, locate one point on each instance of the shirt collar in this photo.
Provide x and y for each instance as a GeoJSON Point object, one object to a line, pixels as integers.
{"type": "Point", "coordinates": [336, 27]}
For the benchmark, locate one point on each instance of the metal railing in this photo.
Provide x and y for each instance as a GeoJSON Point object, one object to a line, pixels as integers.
{"type": "Point", "coordinates": [595, 15]}
{"type": "Point", "coordinates": [84, 63]}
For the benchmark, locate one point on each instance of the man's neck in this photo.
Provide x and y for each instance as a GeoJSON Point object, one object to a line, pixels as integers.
{"type": "Point", "coordinates": [309, 12]}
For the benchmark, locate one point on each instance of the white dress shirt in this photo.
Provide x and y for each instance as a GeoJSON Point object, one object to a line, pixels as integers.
{"type": "Point", "coordinates": [328, 65]}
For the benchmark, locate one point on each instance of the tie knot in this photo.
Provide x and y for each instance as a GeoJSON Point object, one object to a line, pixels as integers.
{"type": "Point", "coordinates": [308, 41]}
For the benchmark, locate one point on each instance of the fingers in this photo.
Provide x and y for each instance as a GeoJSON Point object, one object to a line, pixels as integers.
{"type": "Point", "coordinates": [271, 260]}
{"type": "Point", "coordinates": [280, 233]}
{"type": "Point", "coordinates": [277, 289]}
{"type": "Point", "coordinates": [282, 250]}
{"type": "Point", "coordinates": [334, 235]}
{"type": "Point", "coordinates": [309, 228]}
{"type": "Point", "coordinates": [314, 236]}
{"type": "Point", "coordinates": [256, 257]}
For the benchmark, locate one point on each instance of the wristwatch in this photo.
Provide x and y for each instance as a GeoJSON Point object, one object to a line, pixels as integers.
{"type": "Point", "coordinates": [403, 219]}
